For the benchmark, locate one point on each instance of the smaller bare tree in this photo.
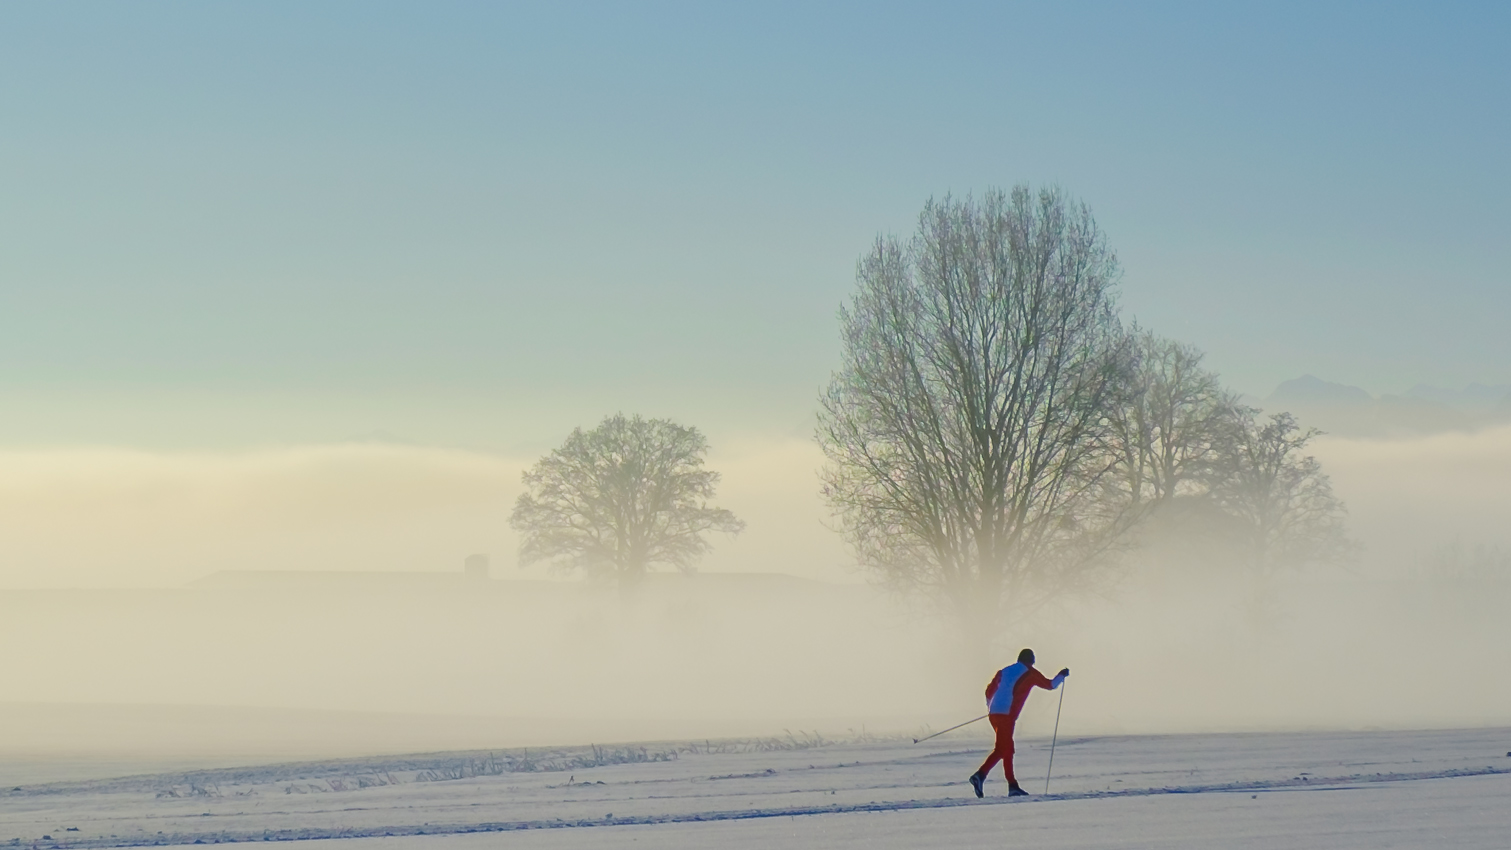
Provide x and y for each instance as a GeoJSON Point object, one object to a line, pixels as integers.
{"type": "Point", "coordinates": [1281, 499]}
{"type": "Point", "coordinates": [615, 501]}
{"type": "Point", "coordinates": [1176, 425]}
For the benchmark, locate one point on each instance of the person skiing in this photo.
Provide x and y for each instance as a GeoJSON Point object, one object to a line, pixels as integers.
{"type": "Point", "coordinates": [1005, 697]}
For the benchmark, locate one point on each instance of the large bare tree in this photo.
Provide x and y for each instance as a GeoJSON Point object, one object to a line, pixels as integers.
{"type": "Point", "coordinates": [966, 431]}
{"type": "Point", "coordinates": [615, 501]}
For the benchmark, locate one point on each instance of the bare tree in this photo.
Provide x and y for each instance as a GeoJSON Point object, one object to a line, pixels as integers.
{"type": "Point", "coordinates": [1281, 498]}
{"type": "Point", "coordinates": [966, 429]}
{"type": "Point", "coordinates": [1177, 424]}
{"type": "Point", "coordinates": [617, 500]}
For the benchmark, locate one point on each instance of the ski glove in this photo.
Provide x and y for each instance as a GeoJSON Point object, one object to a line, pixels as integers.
{"type": "Point", "coordinates": [1065, 673]}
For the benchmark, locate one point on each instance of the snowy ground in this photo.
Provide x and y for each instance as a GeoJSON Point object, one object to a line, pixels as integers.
{"type": "Point", "coordinates": [1337, 790]}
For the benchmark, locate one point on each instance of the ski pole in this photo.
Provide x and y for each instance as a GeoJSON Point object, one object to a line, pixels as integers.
{"type": "Point", "coordinates": [951, 729]}
{"type": "Point", "coordinates": [1056, 738]}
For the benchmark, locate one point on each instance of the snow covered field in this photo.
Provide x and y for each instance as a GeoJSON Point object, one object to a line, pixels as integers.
{"type": "Point", "coordinates": [1322, 789]}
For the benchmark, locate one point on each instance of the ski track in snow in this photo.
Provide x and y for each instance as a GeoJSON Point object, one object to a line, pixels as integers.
{"type": "Point", "coordinates": [1321, 784]}
{"type": "Point", "coordinates": [107, 811]}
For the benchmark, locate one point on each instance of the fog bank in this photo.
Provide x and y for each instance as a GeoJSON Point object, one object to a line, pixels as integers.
{"type": "Point", "coordinates": [254, 603]}
{"type": "Point", "coordinates": [100, 517]}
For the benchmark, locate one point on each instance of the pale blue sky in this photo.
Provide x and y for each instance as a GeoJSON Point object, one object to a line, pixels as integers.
{"type": "Point", "coordinates": [480, 224]}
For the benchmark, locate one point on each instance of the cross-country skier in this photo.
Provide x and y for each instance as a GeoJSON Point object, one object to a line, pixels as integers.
{"type": "Point", "coordinates": [1004, 702]}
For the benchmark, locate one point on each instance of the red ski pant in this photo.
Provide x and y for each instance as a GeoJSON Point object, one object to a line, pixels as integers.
{"type": "Point", "coordinates": [1003, 724]}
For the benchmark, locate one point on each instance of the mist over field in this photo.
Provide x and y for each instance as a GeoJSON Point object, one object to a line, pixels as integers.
{"type": "Point", "coordinates": [311, 601]}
